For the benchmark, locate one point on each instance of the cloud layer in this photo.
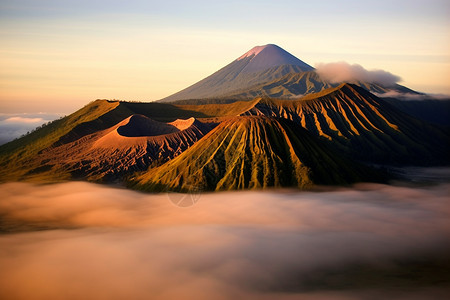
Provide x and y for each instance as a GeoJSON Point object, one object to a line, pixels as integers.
{"type": "Point", "coordinates": [344, 72]}
{"type": "Point", "coordinates": [105, 243]}
{"type": "Point", "coordinates": [14, 125]}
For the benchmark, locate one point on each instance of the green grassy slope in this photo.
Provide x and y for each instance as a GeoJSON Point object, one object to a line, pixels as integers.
{"type": "Point", "coordinates": [249, 153]}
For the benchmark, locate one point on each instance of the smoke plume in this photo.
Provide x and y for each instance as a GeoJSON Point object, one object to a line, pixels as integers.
{"type": "Point", "coordinates": [344, 72]}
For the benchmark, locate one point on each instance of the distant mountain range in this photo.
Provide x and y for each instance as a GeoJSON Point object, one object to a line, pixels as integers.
{"type": "Point", "coordinates": [332, 135]}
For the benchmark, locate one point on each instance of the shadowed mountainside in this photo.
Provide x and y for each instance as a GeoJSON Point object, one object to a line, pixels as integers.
{"type": "Point", "coordinates": [358, 123]}
{"type": "Point", "coordinates": [296, 85]}
{"type": "Point", "coordinates": [430, 110]}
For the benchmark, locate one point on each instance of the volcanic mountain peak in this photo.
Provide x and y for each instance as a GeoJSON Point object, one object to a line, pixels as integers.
{"type": "Point", "coordinates": [254, 51]}
{"type": "Point", "coordinates": [269, 56]}
{"type": "Point", "coordinates": [260, 64]}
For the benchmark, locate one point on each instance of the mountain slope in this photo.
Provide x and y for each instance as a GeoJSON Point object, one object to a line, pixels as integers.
{"type": "Point", "coordinates": [20, 156]}
{"type": "Point", "coordinates": [260, 64]}
{"type": "Point", "coordinates": [23, 149]}
{"type": "Point", "coordinates": [24, 155]}
{"type": "Point", "coordinates": [132, 145]}
{"type": "Point", "coordinates": [358, 123]}
{"type": "Point", "coordinates": [253, 152]}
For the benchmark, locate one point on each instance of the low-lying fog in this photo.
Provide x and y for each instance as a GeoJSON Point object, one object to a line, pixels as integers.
{"type": "Point", "coordinates": [85, 241]}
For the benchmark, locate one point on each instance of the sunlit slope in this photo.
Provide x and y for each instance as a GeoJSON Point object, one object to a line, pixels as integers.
{"type": "Point", "coordinates": [73, 135]}
{"type": "Point", "coordinates": [253, 152]}
{"type": "Point", "coordinates": [355, 121]}
{"type": "Point", "coordinates": [135, 144]}
{"type": "Point", "coordinates": [18, 152]}
{"type": "Point", "coordinates": [20, 156]}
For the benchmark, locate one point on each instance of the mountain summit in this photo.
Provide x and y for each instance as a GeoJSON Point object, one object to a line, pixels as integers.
{"type": "Point", "coordinates": [265, 57]}
{"type": "Point", "coordinates": [260, 64]}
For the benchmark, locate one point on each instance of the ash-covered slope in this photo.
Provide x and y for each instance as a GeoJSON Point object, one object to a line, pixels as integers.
{"type": "Point", "coordinates": [260, 64]}
{"type": "Point", "coordinates": [253, 152]}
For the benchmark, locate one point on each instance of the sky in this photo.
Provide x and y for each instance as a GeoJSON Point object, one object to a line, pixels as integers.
{"type": "Point", "coordinates": [57, 56]}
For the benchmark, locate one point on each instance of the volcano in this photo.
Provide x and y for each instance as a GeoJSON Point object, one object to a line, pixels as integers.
{"type": "Point", "coordinates": [260, 64]}
{"type": "Point", "coordinates": [332, 135]}
{"type": "Point", "coordinates": [269, 71]}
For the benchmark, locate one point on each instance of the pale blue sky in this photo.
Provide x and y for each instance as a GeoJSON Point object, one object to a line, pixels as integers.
{"type": "Point", "coordinates": [63, 54]}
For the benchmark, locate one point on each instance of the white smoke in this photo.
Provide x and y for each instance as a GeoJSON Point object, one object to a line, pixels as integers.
{"type": "Point", "coordinates": [344, 72]}
{"type": "Point", "coordinates": [108, 243]}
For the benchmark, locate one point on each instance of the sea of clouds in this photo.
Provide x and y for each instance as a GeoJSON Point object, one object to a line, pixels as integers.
{"type": "Point", "coordinates": [85, 241]}
{"type": "Point", "coordinates": [13, 126]}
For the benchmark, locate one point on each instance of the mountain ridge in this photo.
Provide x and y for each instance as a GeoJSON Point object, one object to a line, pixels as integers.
{"type": "Point", "coordinates": [268, 56]}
